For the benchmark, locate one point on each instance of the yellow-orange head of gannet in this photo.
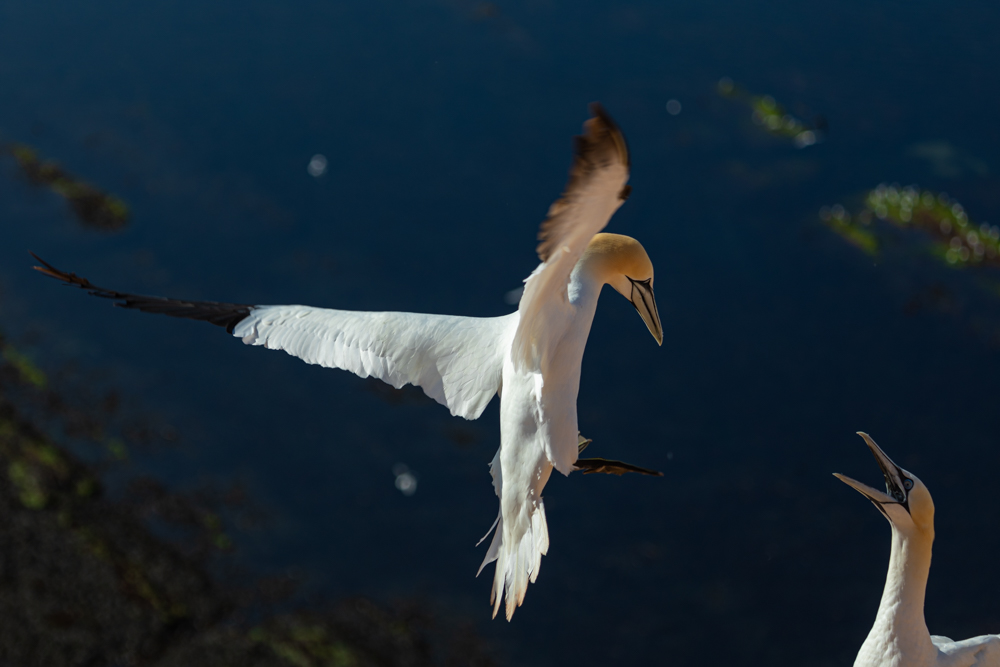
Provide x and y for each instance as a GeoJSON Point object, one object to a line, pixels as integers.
{"type": "Point", "coordinates": [622, 262]}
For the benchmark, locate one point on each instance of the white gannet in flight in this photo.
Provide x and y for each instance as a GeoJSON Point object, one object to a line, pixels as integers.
{"type": "Point", "coordinates": [531, 358]}
{"type": "Point", "coordinates": [899, 637]}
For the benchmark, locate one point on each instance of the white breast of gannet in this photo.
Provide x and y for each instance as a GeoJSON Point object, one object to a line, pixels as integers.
{"type": "Point", "coordinates": [899, 637]}
{"type": "Point", "coordinates": [531, 357]}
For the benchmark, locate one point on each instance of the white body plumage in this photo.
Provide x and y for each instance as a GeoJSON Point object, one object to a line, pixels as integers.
{"type": "Point", "coordinates": [462, 362]}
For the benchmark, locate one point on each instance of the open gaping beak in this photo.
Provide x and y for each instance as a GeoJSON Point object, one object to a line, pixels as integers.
{"type": "Point", "coordinates": [643, 300]}
{"type": "Point", "coordinates": [895, 493]}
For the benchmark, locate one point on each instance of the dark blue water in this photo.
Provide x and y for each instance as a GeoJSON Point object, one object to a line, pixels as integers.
{"type": "Point", "coordinates": [446, 125]}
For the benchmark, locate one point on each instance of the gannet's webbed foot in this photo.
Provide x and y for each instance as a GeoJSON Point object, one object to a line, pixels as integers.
{"type": "Point", "coordinates": [607, 466]}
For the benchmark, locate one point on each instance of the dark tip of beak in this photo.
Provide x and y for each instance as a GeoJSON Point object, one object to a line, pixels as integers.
{"type": "Point", "coordinates": [892, 473]}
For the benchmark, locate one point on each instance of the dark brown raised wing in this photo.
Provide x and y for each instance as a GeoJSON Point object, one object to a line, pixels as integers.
{"type": "Point", "coordinates": [596, 185]}
{"type": "Point", "coordinates": [226, 315]}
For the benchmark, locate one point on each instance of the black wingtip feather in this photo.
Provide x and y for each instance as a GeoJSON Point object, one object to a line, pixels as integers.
{"type": "Point", "coordinates": [226, 315]}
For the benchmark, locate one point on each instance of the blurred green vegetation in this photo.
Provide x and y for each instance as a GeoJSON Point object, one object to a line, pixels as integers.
{"type": "Point", "coordinates": [94, 208]}
{"type": "Point", "coordinates": [856, 230]}
{"type": "Point", "coordinates": [772, 117]}
{"type": "Point", "coordinates": [943, 223]}
{"type": "Point", "coordinates": [27, 370]}
{"type": "Point", "coordinates": [85, 580]}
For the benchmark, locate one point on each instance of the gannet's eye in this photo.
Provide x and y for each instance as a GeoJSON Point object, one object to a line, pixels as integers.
{"type": "Point", "coordinates": [907, 484]}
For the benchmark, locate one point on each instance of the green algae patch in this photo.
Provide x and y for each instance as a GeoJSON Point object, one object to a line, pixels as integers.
{"type": "Point", "coordinates": [33, 470]}
{"type": "Point", "coordinates": [86, 487]}
{"type": "Point", "coordinates": [27, 370]}
{"type": "Point", "coordinates": [212, 524]}
{"type": "Point", "coordinates": [940, 222]}
{"type": "Point", "coordinates": [306, 645]}
{"type": "Point", "coordinates": [116, 448]}
{"type": "Point", "coordinates": [93, 207]}
{"type": "Point", "coordinates": [772, 117]}
{"type": "Point", "coordinates": [856, 230]}
{"type": "Point", "coordinates": [27, 484]}
{"type": "Point", "coordinates": [954, 237]}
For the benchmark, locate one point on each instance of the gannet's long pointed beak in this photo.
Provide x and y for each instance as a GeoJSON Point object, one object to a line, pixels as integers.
{"type": "Point", "coordinates": [644, 302]}
{"type": "Point", "coordinates": [895, 491]}
{"type": "Point", "coordinates": [868, 492]}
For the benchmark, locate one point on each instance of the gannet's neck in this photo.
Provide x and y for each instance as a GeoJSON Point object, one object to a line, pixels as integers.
{"type": "Point", "coordinates": [900, 631]}
{"type": "Point", "coordinates": [585, 283]}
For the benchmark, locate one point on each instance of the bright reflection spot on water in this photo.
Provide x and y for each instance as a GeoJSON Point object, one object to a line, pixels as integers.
{"type": "Point", "coordinates": [803, 139]}
{"type": "Point", "coordinates": [673, 107]}
{"type": "Point", "coordinates": [317, 166]}
{"type": "Point", "coordinates": [406, 481]}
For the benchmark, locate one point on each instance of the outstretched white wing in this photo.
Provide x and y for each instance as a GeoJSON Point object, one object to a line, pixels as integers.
{"type": "Point", "coordinates": [457, 361]}
{"type": "Point", "coordinates": [595, 190]}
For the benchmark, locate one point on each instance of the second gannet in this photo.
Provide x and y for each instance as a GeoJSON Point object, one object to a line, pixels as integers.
{"type": "Point", "coordinates": [531, 357]}
{"type": "Point", "coordinates": [899, 637]}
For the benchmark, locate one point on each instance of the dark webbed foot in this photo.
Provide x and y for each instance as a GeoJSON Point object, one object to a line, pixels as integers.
{"type": "Point", "coordinates": [607, 466]}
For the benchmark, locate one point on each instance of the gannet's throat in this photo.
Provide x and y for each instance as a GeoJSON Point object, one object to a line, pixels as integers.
{"type": "Point", "coordinates": [900, 615]}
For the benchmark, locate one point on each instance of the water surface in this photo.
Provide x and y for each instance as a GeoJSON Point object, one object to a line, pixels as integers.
{"type": "Point", "coordinates": [447, 127]}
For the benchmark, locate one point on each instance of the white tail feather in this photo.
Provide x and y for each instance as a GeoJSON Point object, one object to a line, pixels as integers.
{"type": "Point", "coordinates": [491, 553]}
{"type": "Point", "coordinates": [495, 522]}
{"type": "Point", "coordinates": [518, 557]}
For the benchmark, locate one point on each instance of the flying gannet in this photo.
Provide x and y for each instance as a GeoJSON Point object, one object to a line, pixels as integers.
{"type": "Point", "coordinates": [899, 637]}
{"type": "Point", "coordinates": [531, 357]}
